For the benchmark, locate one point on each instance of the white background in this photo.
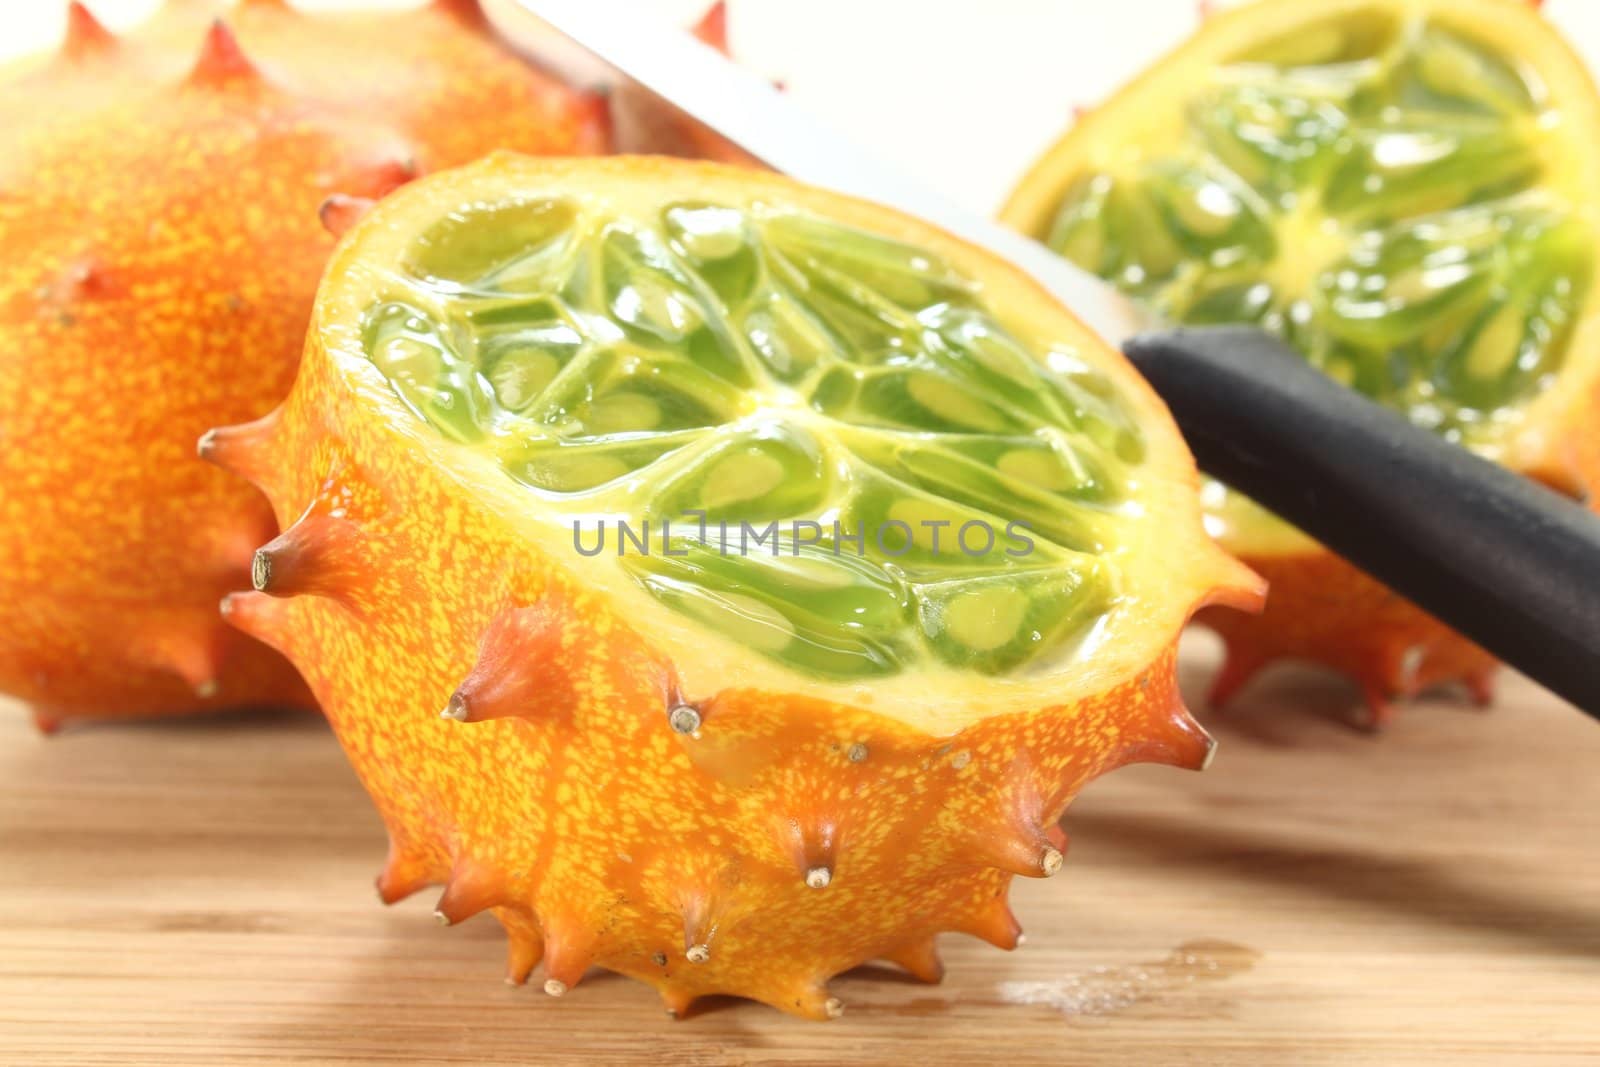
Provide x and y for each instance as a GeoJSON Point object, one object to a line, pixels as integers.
{"type": "Point", "coordinates": [962, 93]}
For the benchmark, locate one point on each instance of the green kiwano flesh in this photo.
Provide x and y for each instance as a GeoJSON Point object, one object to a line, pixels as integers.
{"type": "Point", "coordinates": [811, 438]}
{"type": "Point", "coordinates": [1378, 190]}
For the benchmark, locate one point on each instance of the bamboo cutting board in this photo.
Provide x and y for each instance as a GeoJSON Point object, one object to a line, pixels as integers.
{"type": "Point", "coordinates": [200, 893]}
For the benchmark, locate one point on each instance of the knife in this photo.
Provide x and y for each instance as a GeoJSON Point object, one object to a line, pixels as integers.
{"type": "Point", "coordinates": [1510, 564]}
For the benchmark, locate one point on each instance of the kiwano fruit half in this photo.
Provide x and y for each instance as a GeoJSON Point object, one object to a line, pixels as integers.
{"type": "Point", "coordinates": [780, 565]}
{"type": "Point", "coordinates": [1405, 190]}
{"type": "Point", "coordinates": [159, 199]}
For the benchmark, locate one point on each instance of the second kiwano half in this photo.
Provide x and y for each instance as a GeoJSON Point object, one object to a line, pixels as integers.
{"type": "Point", "coordinates": [962, 539]}
{"type": "Point", "coordinates": [1405, 190]}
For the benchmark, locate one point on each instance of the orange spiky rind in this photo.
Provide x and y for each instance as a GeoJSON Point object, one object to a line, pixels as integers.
{"type": "Point", "coordinates": [1023, 851]}
{"type": "Point", "coordinates": [164, 186]}
{"type": "Point", "coordinates": [88, 278]}
{"type": "Point", "coordinates": [321, 555]}
{"type": "Point", "coordinates": [468, 12]}
{"type": "Point", "coordinates": [813, 1001]}
{"type": "Point", "coordinates": [266, 618]}
{"type": "Point", "coordinates": [994, 923]}
{"type": "Point", "coordinates": [712, 27]}
{"type": "Point", "coordinates": [752, 838]}
{"type": "Point", "coordinates": [528, 662]}
{"type": "Point", "coordinates": [197, 657]}
{"type": "Point", "coordinates": [1481, 686]}
{"type": "Point", "coordinates": [812, 843]}
{"type": "Point", "coordinates": [569, 952]}
{"type": "Point", "coordinates": [1392, 649]}
{"type": "Point", "coordinates": [1240, 665]}
{"type": "Point", "coordinates": [474, 886]}
{"type": "Point", "coordinates": [920, 959]}
{"type": "Point", "coordinates": [221, 60]}
{"type": "Point", "coordinates": [244, 450]}
{"type": "Point", "coordinates": [86, 36]}
{"type": "Point", "coordinates": [524, 944]}
{"type": "Point", "coordinates": [405, 871]}
{"type": "Point", "coordinates": [703, 915]}
{"type": "Point", "coordinates": [340, 212]}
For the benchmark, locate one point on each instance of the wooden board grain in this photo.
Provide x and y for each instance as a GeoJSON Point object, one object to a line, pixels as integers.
{"type": "Point", "coordinates": [200, 893]}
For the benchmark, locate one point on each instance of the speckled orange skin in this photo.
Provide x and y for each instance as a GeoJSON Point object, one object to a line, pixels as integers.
{"type": "Point", "coordinates": [783, 839]}
{"type": "Point", "coordinates": [597, 834]}
{"type": "Point", "coordinates": [442, 73]}
{"type": "Point", "coordinates": [1325, 611]}
{"type": "Point", "coordinates": [163, 253]}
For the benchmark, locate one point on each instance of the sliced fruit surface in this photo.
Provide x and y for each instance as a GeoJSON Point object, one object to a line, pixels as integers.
{"type": "Point", "coordinates": [733, 763]}
{"type": "Point", "coordinates": [813, 440]}
{"type": "Point", "coordinates": [1401, 188]}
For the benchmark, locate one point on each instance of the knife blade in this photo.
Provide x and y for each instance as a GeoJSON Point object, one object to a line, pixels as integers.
{"type": "Point", "coordinates": [1509, 563]}
{"type": "Point", "coordinates": [747, 110]}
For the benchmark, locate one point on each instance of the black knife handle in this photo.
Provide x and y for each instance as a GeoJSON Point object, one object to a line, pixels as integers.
{"type": "Point", "coordinates": [1508, 562]}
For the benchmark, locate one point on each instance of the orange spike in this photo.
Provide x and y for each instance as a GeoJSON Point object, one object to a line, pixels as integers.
{"type": "Point", "coordinates": [1481, 685]}
{"type": "Point", "coordinates": [1020, 848]}
{"type": "Point", "coordinates": [700, 921]}
{"type": "Point", "coordinates": [387, 176]}
{"type": "Point", "coordinates": [1380, 711]}
{"type": "Point", "coordinates": [46, 723]}
{"type": "Point", "coordinates": [995, 925]}
{"type": "Point", "coordinates": [813, 843]}
{"type": "Point", "coordinates": [523, 671]}
{"type": "Point", "coordinates": [473, 886]}
{"type": "Point", "coordinates": [569, 952]}
{"type": "Point", "coordinates": [320, 555]}
{"type": "Point", "coordinates": [235, 544]}
{"type": "Point", "coordinates": [1245, 591]}
{"type": "Point", "coordinates": [404, 872]}
{"type": "Point", "coordinates": [469, 12]}
{"type": "Point", "coordinates": [1238, 667]}
{"type": "Point", "coordinates": [712, 29]}
{"type": "Point", "coordinates": [1016, 837]}
{"type": "Point", "coordinates": [340, 212]}
{"type": "Point", "coordinates": [84, 279]}
{"type": "Point", "coordinates": [244, 450]}
{"type": "Point", "coordinates": [1562, 472]}
{"type": "Point", "coordinates": [263, 617]}
{"type": "Point", "coordinates": [86, 35]}
{"type": "Point", "coordinates": [920, 958]}
{"type": "Point", "coordinates": [678, 1002]}
{"type": "Point", "coordinates": [221, 59]}
{"type": "Point", "coordinates": [597, 116]}
{"type": "Point", "coordinates": [524, 945]}
{"type": "Point", "coordinates": [195, 657]}
{"type": "Point", "coordinates": [1176, 740]}
{"type": "Point", "coordinates": [814, 1002]}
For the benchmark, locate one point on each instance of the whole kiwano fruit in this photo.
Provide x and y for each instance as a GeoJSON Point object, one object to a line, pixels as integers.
{"type": "Point", "coordinates": [159, 199]}
{"type": "Point", "coordinates": [1405, 191]}
{"type": "Point", "coordinates": [722, 581]}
